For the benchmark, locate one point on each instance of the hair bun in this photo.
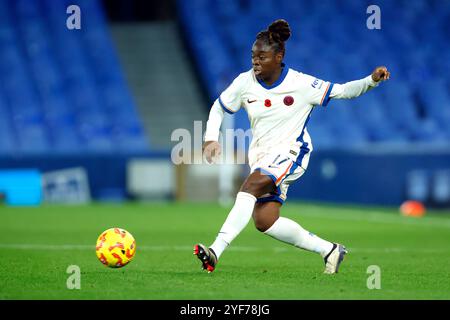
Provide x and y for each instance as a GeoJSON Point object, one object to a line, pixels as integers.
{"type": "Point", "coordinates": [280, 30]}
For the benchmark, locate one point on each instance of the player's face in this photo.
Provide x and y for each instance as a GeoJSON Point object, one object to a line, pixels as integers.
{"type": "Point", "coordinates": [265, 61]}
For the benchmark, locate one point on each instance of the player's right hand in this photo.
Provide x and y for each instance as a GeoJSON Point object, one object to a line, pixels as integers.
{"type": "Point", "coordinates": [211, 151]}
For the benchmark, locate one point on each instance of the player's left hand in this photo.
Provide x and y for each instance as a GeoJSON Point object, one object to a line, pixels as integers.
{"type": "Point", "coordinates": [380, 73]}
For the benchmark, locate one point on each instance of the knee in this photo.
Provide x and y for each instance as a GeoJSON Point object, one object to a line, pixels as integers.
{"type": "Point", "coordinates": [256, 187]}
{"type": "Point", "coordinates": [250, 187]}
{"type": "Point", "coordinates": [262, 225]}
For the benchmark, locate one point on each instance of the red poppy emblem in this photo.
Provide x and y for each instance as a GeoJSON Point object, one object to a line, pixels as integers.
{"type": "Point", "coordinates": [267, 103]}
{"type": "Point", "coordinates": [288, 100]}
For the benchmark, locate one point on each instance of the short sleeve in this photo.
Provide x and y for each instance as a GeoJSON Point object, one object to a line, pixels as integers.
{"type": "Point", "coordinates": [230, 99]}
{"type": "Point", "coordinates": [317, 90]}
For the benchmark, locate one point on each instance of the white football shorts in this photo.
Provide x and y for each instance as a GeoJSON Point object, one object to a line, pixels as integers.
{"type": "Point", "coordinates": [282, 169]}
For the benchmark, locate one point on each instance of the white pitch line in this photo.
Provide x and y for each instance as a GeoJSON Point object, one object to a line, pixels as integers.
{"type": "Point", "coordinates": [58, 247]}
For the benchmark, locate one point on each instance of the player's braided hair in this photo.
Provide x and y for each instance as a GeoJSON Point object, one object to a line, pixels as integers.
{"type": "Point", "coordinates": [276, 35]}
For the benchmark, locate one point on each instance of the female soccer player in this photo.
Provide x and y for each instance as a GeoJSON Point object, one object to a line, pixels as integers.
{"type": "Point", "coordinates": [279, 102]}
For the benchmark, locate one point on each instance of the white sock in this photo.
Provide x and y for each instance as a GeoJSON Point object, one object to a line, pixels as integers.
{"type": "Point", "coordinates": [236, 221]}
{"type": "Point", "coordinates": [291, 232]}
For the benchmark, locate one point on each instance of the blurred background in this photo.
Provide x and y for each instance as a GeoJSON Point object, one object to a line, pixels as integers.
{"type": "Point", "coordinates": [87, 114]}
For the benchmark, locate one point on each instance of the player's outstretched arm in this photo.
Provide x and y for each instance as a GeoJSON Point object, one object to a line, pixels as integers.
{"type": "Point", "coordinates": [356, 88]}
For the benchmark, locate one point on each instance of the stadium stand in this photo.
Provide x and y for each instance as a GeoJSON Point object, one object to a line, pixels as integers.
{"type": "Point", "coordinates": [62, 90]}
{"type": "Point", "coordinates": [331, 41]}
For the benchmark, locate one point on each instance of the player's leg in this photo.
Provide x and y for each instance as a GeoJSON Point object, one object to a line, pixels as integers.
{"type": "Point", "coordinates": [267, 220]}
{"type": "Point", "coordinates": [253, 187]}
{"type": "Point", "coordinates": [266, 216]}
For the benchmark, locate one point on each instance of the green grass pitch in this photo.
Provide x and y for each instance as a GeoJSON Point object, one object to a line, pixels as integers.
{"type": "Point", "coordinates": [38, 244]}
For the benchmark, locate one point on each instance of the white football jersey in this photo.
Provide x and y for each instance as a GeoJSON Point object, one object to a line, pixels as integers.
{"type": "Point", "coordinates": [278, 113]}
{"type": "Point", "coordinates": [278, 117]}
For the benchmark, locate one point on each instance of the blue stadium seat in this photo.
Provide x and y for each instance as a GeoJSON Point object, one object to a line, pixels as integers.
{"type": "Point", "coordinates": [53, 96]}
{"type": "Point", "coordinates": [420, 82]}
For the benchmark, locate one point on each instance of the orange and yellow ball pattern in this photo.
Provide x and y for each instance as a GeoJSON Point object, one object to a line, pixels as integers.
{"type": "Point", "coordinates": [115, 247]}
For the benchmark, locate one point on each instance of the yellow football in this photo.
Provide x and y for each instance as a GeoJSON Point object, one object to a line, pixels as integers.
{"type": "Point", "coordinates": [115, 247]}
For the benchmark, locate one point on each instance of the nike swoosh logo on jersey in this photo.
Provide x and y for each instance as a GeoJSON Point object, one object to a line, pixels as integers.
{"type": "Point", "coordinates": [250, 101]}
